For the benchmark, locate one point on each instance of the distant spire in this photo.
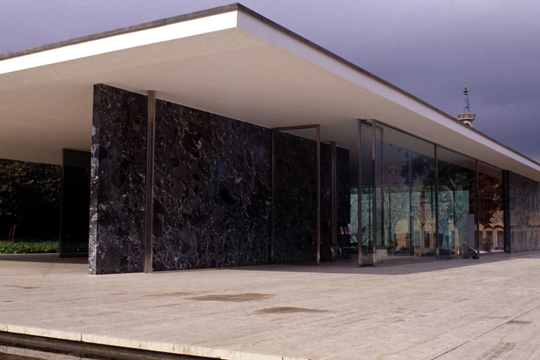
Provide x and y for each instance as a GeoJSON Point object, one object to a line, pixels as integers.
{"type": "Point", "coordinates": [467, 108]}
{"type": "Point", "coordinates": [466, 118]}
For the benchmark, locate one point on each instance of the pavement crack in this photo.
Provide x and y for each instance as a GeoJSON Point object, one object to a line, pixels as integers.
{"type": "Point", "coordinates": [511, 321]}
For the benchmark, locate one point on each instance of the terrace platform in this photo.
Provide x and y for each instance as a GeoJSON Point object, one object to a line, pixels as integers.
{"type": "Point", "coordinates": [455, 309]}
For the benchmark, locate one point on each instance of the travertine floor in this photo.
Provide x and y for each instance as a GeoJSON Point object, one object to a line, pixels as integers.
{"type": "Point", "coordinates": [455, 309]}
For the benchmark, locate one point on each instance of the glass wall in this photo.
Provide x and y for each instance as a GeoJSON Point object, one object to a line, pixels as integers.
{"type": "Point", "coordinates": [524, 213]}
{"type": "Point", "coordinates": [491, 209]}
{"type": "Point", "coordinates": [405, 196]}
{"type": "Point", "coordinates": [429, 201]}
{"type": "Point", "coordinates": [457, 203]}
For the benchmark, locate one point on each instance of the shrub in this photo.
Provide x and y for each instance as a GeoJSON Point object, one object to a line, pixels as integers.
{"type": "Point", "coordinates": [28, 247]}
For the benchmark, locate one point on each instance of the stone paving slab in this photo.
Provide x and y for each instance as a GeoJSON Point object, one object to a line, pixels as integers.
{"type": "Point", "coordinates": [455, 309]}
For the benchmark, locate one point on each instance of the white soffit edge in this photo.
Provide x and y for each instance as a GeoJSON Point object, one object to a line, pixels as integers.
{"type": "Point", "coordinates": [242, 82]}
{"type": "Point", "coordinates": [465, 140]}
{"type": "Point", "coordinates": [121, 42]}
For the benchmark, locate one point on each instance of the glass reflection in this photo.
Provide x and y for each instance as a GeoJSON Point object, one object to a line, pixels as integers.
{"type": "Point", "coordinates": [491, 211]}
{"type": "Point", "coordinates": [409, 200]}
{"type": "Point", "coordinates": [457, 203]}
{"type": "Point", "coordinates": [405, 196]}
{"type": "Point", "coordinates": [524, 207]}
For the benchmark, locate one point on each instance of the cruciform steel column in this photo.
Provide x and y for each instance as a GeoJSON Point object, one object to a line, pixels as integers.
{"type": "Point", "coordinates": [149, 204]}
{"type": "Point", "coordinates": [359, 192]}
{"type": "Point", "coordinates": [272, 207]}
{"type": "Point", "coordinates": [333, 196]}
{"type": "Point", "coordinates": [436, 245]}
{"type": "Point", "coordinates": [374, 207]}
{"type": "Point", "coordinates": [477, 214]}
{"type": "Point", "coordinates": [318, 194]}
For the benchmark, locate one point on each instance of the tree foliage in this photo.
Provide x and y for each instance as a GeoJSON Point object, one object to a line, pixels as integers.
{"type": "Point", "coordinates": [29, 199]}
{"type": "Point", "coordinates": [490, 198]}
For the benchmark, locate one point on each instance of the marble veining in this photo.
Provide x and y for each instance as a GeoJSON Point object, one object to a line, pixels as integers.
{"type": "Point", "coordinates": [117, 183]}
{"type": "Point", "coordinates": [295, 196]}
{"type": "Point", "coordinates": [212, 190]}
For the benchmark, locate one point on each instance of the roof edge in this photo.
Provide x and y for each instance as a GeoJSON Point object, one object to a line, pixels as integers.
{"type": "Point", "coordinates": [375, 77]}
{"type": "Point", "coordinates": [235, 7]}
{"type": "Point", "coordinates": [125, 30]}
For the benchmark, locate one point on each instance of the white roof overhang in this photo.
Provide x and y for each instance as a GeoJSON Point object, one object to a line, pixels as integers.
{"type": "Point", "coordinates": [229, 61]}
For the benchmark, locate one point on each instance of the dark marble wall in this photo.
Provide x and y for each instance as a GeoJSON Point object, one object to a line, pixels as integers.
{"type": "Point", "coordinates": [295, 196]}
{"type": "Point", "coordinates": [75, 202]}
{"type": "Point", "coordinates": [524, 213]}
{"type": "Point", "coordinates": [117, 183]}
{"type": "Point", "coordinates": [212, 190]}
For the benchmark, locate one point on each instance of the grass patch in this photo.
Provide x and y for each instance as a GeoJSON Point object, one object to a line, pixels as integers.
{"type": "Point", "coordinates": [28, 247]}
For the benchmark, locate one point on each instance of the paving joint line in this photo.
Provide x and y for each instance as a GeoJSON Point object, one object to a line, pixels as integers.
{"type": "Point", "coordinates": [484, 333]}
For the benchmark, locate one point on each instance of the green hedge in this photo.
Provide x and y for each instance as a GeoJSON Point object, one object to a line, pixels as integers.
{"type": "Point", "coordinates": [28, 247]}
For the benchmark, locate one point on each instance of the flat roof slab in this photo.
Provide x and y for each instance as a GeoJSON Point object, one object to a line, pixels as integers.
{"type": "Point", "coordinates": [229, 61]}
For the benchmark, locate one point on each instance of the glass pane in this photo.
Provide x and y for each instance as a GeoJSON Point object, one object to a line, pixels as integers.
{"type": "Point", "coordinates": [423, 202]}
{"type": "Point", "coordinates": [523, 205]}
{"type": "Point", "coordinates": [405, 197]}
{"type": "Point", "coordinates": [457, 203]}
{"type": "Point", "coordinates": [491, 211]}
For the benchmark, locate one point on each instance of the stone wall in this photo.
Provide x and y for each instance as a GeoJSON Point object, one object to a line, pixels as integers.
{"type": "Point", "coordinates": [295, 196]}
{"type": "Point", "coordinates": [117, 183]}
{"type": "Point", "coordinates": [212, 188]}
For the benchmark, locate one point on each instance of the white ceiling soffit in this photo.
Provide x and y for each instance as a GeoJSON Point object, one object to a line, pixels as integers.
{"type": "Point", "coordinates": [229, 61]}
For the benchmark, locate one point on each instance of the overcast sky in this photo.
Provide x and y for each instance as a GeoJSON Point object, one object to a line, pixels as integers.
{"type": "Point", "coordinates": [431, 49]}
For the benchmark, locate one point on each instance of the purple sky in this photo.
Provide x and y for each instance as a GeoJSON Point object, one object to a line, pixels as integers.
{"type": "Point", "coordinates": [432, 49]}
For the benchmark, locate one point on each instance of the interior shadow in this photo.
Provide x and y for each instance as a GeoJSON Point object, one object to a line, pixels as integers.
{"type": "Point", "coordinates": [351, 267]}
